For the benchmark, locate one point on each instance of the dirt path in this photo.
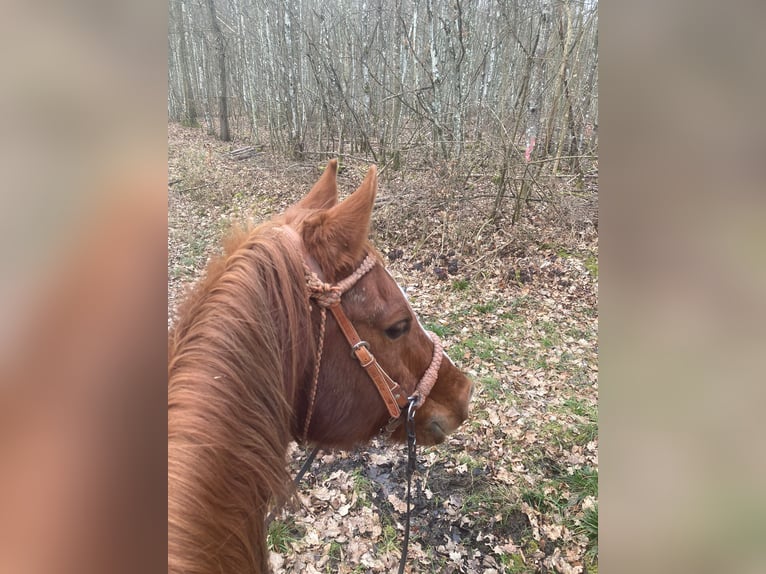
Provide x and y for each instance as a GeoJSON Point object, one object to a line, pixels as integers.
{"type": "Point", "coordinates": [515, 489]}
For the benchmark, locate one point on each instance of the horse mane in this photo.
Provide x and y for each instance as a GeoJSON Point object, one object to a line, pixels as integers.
{"type": "Point", "coordinates": [235, 356]}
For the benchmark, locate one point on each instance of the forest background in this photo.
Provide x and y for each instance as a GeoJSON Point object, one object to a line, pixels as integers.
{"type": "Point", "coordinates": [483, 120]}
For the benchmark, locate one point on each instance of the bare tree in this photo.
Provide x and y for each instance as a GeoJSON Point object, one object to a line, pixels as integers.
{"type": "Point", "coordinates": [223, 86]}
{"type": "Point", "coordinates": [506, 87]}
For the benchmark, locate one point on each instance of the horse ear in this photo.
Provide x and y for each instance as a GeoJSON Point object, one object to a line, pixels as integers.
{"type": "Point", "coordinates": [324, 194]}
{"type": "Point", "coordinates": [337, 237]}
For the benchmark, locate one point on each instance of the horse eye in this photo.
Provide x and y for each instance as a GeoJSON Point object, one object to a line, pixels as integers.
{"type": "Point", "coordinates": [398, 329]}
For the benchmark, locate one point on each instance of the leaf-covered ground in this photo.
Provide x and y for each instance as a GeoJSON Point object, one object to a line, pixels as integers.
{"type": "Point", "coordinates": [515, 489]}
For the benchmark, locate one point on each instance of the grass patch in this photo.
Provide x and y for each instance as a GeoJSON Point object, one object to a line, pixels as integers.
{"type": "Point", "coordinates": [363, 487]}
{"type": "Point", "coordinates": [282, 534]}
{"type": "Point", "coordinates": [515, 305]}
{"type": "Point", "coordinates": [198, 247]}
{"type": "Point", "coordinates": [586, 428]}
{"type": "Point", "coordinates": [513, 563]}
{"type": "Point", "coordinates": [335, 553]}
{"type": "Point", "coordinates": [590, 260]}
{"type": "Point", "coordinates": [569, 435]}
{"type": "Point", "coordinates": [469, 461]}
{"type": "Point", "coordinates": [389, 541]}
{"type": "Point", "coordinates": [544, 499]}
{"type": "Point", "coordinates": [591, 264]}
{"type": "Point", "coordinates": [489, 502]}
{"type": "Point", "coordinates": [589, 526]}
{"type": "Point", "coordinates": [484, 308]}
{"type": "Point", "coordinates": [587, 432]}
{"type": "Point", "coordinates": [582, 482]}
{"type": "Point", "coordinates": [536, 498]}
{"type": "Point", "coordinates": [178, 272]}
{"type": "Point", "coordinates": [492, 387]}
{"type": "Point", "coordinates": [479, 345]}
{"type": "Point", "coordinates": [550, 334]}
{"type": "Point", "coordinates": [495, 509]}
{"type": "Point", "coordinates": [438, 328]}
{"type": "Point", "coordinates": [460, 285]}
{"type": "Point", "coordinates": [581, 408]}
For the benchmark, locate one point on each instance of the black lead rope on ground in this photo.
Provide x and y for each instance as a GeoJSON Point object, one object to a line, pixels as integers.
{"type": "Point", "coordinates": [411, 464]}
{"type": "Point", "coordinates": [306, 465]}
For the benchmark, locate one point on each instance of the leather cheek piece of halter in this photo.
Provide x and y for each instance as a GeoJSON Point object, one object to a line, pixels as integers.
{"type": "Point", "coordinates": [395, 398]}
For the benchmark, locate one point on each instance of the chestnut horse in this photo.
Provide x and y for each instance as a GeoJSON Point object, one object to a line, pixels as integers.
{"type": "Point", "coordinates": [254, 361]}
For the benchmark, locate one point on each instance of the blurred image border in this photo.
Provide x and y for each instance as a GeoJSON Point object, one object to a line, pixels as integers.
{"type": "Point", "coordinates": [682, 282]}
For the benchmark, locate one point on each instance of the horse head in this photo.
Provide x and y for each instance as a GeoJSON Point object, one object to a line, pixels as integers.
{"type": "Point", "coordinates": [346, 407]}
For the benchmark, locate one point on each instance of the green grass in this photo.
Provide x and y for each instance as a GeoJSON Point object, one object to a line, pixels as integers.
{"type": "Point", "coordinates": [587, 428]}
{"type": "Point", "coordinates": [188, 261]}
{"type": "Point", "coordinates": [484, 308]}
{"type": "Point", "coordinates": [495, 508]}
{"type": "Point", "coordinates": [438, 328]}
{"type": "Point", "coordinates": [582, 482]}
{"type": "Point", "coordinates": [551, 336]}
{"type": "Point", "coordinates": [591, 264]}
{"type": "Point", "coordinates": [282, 534]}
{"type": "Point", "coordinates": [460, 285]}
{"type": "Point", "coordinates": [566, 435]}
{"type": "Point", "coordinates": [587, 431]}
{"type": "Point", "coordinates": [335, 553]}
{"type": "Point", "coordinates": [389, 539]}
{"type": "Point", "coordinates": [513, 563]}
{"type": "Point", "coordinates": [363, 487]}
{"type": "Point", "coordinates": [492, 387]}
{"type": "Point", "coordinates": [536, 498]}
{"type": "Point", "coordinates": [581, 408]}
{"type": "Point", "coordinates": [516, 304]}
{"type": "Point", "coordinates": [489, 500]}
{"type": "Point", "coordinates": [589, 526]}
{"type": "Point", "coordinates": [469, 461]}
{"type": "Point", "coordinates": [479, 345]}
{"type": "Point", "coordinates": [543, 501]}
{"type": "Point", "coordinates": [178, 272]}
{"type": "Point", "coordinates": [590, 260]}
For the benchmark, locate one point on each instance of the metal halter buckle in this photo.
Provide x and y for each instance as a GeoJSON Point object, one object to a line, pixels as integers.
{"type": "Point", "coordinates": [358, 345]}
{"type": "Point", "coordinates": [410, 427]}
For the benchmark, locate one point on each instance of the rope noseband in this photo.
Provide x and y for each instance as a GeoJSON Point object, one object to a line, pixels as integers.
{"type": "Point", "coordinates": [396, 400]}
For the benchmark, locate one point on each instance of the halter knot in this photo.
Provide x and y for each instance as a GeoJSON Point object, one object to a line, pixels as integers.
{"type": "Point", "coordinates": [327, 295]}
{"type": "Point", "coordinates": [324, 294]}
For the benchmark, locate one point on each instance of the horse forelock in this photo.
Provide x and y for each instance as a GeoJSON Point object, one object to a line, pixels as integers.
{"type": "Point", "coordinates": [235, 358]}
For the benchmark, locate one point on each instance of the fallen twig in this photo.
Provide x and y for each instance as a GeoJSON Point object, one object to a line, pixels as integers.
{"type": "Point", "coordinates": [193, 188]}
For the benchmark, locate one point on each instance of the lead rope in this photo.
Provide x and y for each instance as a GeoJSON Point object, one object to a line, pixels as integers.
{"type": "Point", "coordinates": [412, 460]}
{"type": "Point", "coordinates": [327, 295]}
{"type": "Point", "coordinates": [298, 477]}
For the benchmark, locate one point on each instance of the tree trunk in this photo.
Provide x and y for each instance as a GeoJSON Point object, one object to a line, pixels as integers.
{"type": "Point", "coordinates": [189, 117]}
{"type": "Point", "coordinates": [223, 93]}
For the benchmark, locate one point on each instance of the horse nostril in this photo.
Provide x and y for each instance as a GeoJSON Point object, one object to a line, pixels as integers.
{"type": "Point", "coordinates": [438, 432]}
